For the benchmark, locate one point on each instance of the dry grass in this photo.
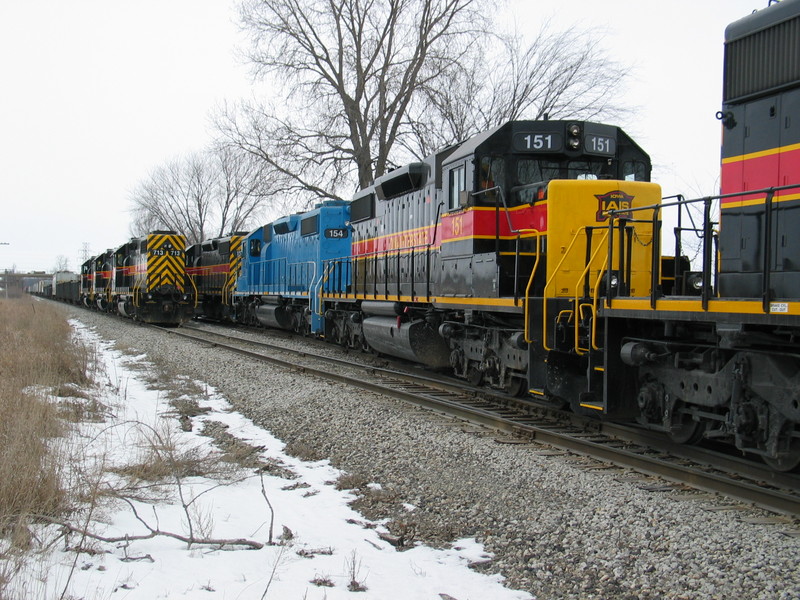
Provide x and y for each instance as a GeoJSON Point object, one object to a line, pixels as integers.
{"type": "Point", "coordinates": [159, 456]}
{"type": "Point", "coordinates": [303, 451]}
{"type": "Point", "coordinates": [37, 354]}
{"type": "Point", "coordinates": [351, 481]}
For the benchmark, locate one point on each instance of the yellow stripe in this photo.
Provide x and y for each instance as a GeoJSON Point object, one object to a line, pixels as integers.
{"type": "Point", "coordinates": [760, 154]}
{"type": "Point", "coordinates": [758, 201]}
{"type": "Point", "coordinates": [509, 302]}
{"type": "Point", "coordinates": [493, 208]}
{"type": "Point", "coordinates": [745, 307]}
{"type": "Point", "coordinates": [494, 237]}
{"type": "Point", "coordinates": [592, 406]}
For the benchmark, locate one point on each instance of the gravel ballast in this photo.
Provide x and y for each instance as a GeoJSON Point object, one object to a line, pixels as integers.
{"type": "Point", "coordinates": [556, 530]}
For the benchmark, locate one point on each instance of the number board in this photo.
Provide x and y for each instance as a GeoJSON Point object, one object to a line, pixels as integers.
{"type": "Point", "coordinates": [599, 144]}
{"type": "Point", "coordinates": [337, 234]}
{"type": "Point", "coordinates": [542, 141]}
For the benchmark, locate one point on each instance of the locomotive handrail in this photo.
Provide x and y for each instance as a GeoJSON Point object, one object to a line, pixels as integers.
{"type": "Point", "coordinates": [315, 291]}
{"type": "Point", "coordinates": [579, 284]}
{"type": "Point", "coordinates": [549, 281]}
{"type": "Point", "coordinates": [538, 235]}
{"type": "Point", "coordinates": [386, 254]}
{"type": "Point", "coordinates": [340, 265]}
{"type": "Point", "coordinates": [261, 267]}
{"type": "Point", "coordinates": [709, 237]}
{"type": "Point", "coordinates": [595, 302]}
{"type": "Point", "coordinates": [708, 234]}
{"type": "Point", "coordinates": [519, 233]}
{"type": "Point", "coordinates": [502, 198]}
{"type": "Point", "coordinates": [618, 211]}
{"type": "Point", "coordinates": [196, 292]}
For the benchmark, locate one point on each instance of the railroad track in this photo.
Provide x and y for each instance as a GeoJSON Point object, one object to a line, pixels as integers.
{"type": "Point", "coordinates": [628, 447]}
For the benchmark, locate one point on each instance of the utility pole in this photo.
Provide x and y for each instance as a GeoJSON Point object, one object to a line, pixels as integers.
{"type": "Point", "coordinates": [86, 252]}
{"type": "Point", "coordinates": [5, 276]}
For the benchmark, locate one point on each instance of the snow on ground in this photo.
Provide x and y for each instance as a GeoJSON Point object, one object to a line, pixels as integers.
{"type": "Point", "coordinates": [339, 546]}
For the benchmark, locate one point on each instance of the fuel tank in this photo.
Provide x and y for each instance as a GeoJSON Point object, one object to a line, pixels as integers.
{"type": "Point", "coordinates": [272, 315]}
{"type": "Point", "coordinates": [416, 340]}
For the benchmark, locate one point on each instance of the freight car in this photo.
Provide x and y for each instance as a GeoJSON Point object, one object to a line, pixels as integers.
{"type": "Point", "coordinates": [65, 286]}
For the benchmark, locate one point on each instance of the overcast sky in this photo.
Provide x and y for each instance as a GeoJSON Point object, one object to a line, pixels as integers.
{"type": "Point", "coordinates": [96, 93]}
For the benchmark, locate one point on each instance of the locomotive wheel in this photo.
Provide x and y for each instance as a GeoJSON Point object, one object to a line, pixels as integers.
{"type": "Point", "coordinates": [517, 386]}
{"type": "Point", "coordinates": [474, 376]}
{"type": "Point", "coordinates": [784, 463]}
{"type": "Point", "coordinates": [685, 430]}
{"type": "Point", "coordinates": [788, 462]}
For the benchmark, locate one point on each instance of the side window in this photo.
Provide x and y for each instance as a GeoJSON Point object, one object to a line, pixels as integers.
{"type": "Point", "coordinates": [634, 170]}
{"type": "Point", "coordinates": [492, 173]}
{"type": "Point", "coordinates": [458, 183]}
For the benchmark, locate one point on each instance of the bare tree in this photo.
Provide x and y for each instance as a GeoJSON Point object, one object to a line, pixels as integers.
{"type": "Point", "coordinates": [242, 187]}
{"type": "Point", "coordinates": [366, 84]}
{"type": "Point", "coordinates": [351, 69]}
{"type": "Point", "coordinates": [202, 195]}
{"type": "Point", "coordinates": [558, 74]}
{"type": "Point", "coordinates": [175, 196]}
{"type": "Point", "coordinates": [61, 264]}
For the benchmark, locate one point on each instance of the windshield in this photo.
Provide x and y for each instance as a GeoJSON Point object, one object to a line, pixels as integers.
{"type": "Point", "coordinates": [535, 171]}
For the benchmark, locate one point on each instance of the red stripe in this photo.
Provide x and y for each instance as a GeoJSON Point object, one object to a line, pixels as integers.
{"type": "Point", "coordinates": [222, 268]}
{"type": "Point", "coordinates": [759, 172]}
{"type": "Point", "coordinates": [489, 223]}
{"type": "Point", "coordinates": [459, 225]}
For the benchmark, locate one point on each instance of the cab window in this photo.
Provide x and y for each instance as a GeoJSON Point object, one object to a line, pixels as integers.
{"type": "Point", "coordinates": [634, 170]}
{"type": "Point", "coordinates": [491, 173]}
{"type": "Point", "coordinates": [458, 183]}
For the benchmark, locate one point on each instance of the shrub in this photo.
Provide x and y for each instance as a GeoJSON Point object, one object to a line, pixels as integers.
{"type": "Point", "coordinates": [37, 354]}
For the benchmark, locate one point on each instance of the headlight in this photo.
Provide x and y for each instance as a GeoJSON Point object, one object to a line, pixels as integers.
{"type": "Point", "coordinates": [696, 281]}
{"type": "Point", "coordinates": [614, 280]}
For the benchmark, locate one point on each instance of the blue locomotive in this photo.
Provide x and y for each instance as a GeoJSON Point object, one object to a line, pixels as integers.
{"type": "Point", "coordinates": [285, 269]}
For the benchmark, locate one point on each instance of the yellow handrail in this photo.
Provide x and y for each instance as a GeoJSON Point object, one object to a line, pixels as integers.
{"type": "Point", "coordinates": [537, 234]}
{"type": "Point", "coordinates": [194, 287]}
{"type": "Point", "coordinates": [549, 281]}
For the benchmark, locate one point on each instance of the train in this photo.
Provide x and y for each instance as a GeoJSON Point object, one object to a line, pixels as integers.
{"type": "Point", "coordinates": [530, 258]}
{"type": "Point", "coordinates": [144, 279]}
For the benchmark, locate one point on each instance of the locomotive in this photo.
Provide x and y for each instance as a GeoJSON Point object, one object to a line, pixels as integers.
{"type": "Point", "coordinates": [726, 365]}
{"type": "Point", "coordinates": [212, 267]}
{"type": "Point", "coordinates": [446, 261]}
{"type": "Point", "coordinates": [144, 279]}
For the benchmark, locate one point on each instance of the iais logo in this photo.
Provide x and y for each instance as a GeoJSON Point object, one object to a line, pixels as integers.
{"type": "Point", "coordinates": [616, 200]}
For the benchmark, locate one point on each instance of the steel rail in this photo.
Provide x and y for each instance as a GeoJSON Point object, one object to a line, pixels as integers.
{"type": "Point", "coordinates": [458, 402]}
